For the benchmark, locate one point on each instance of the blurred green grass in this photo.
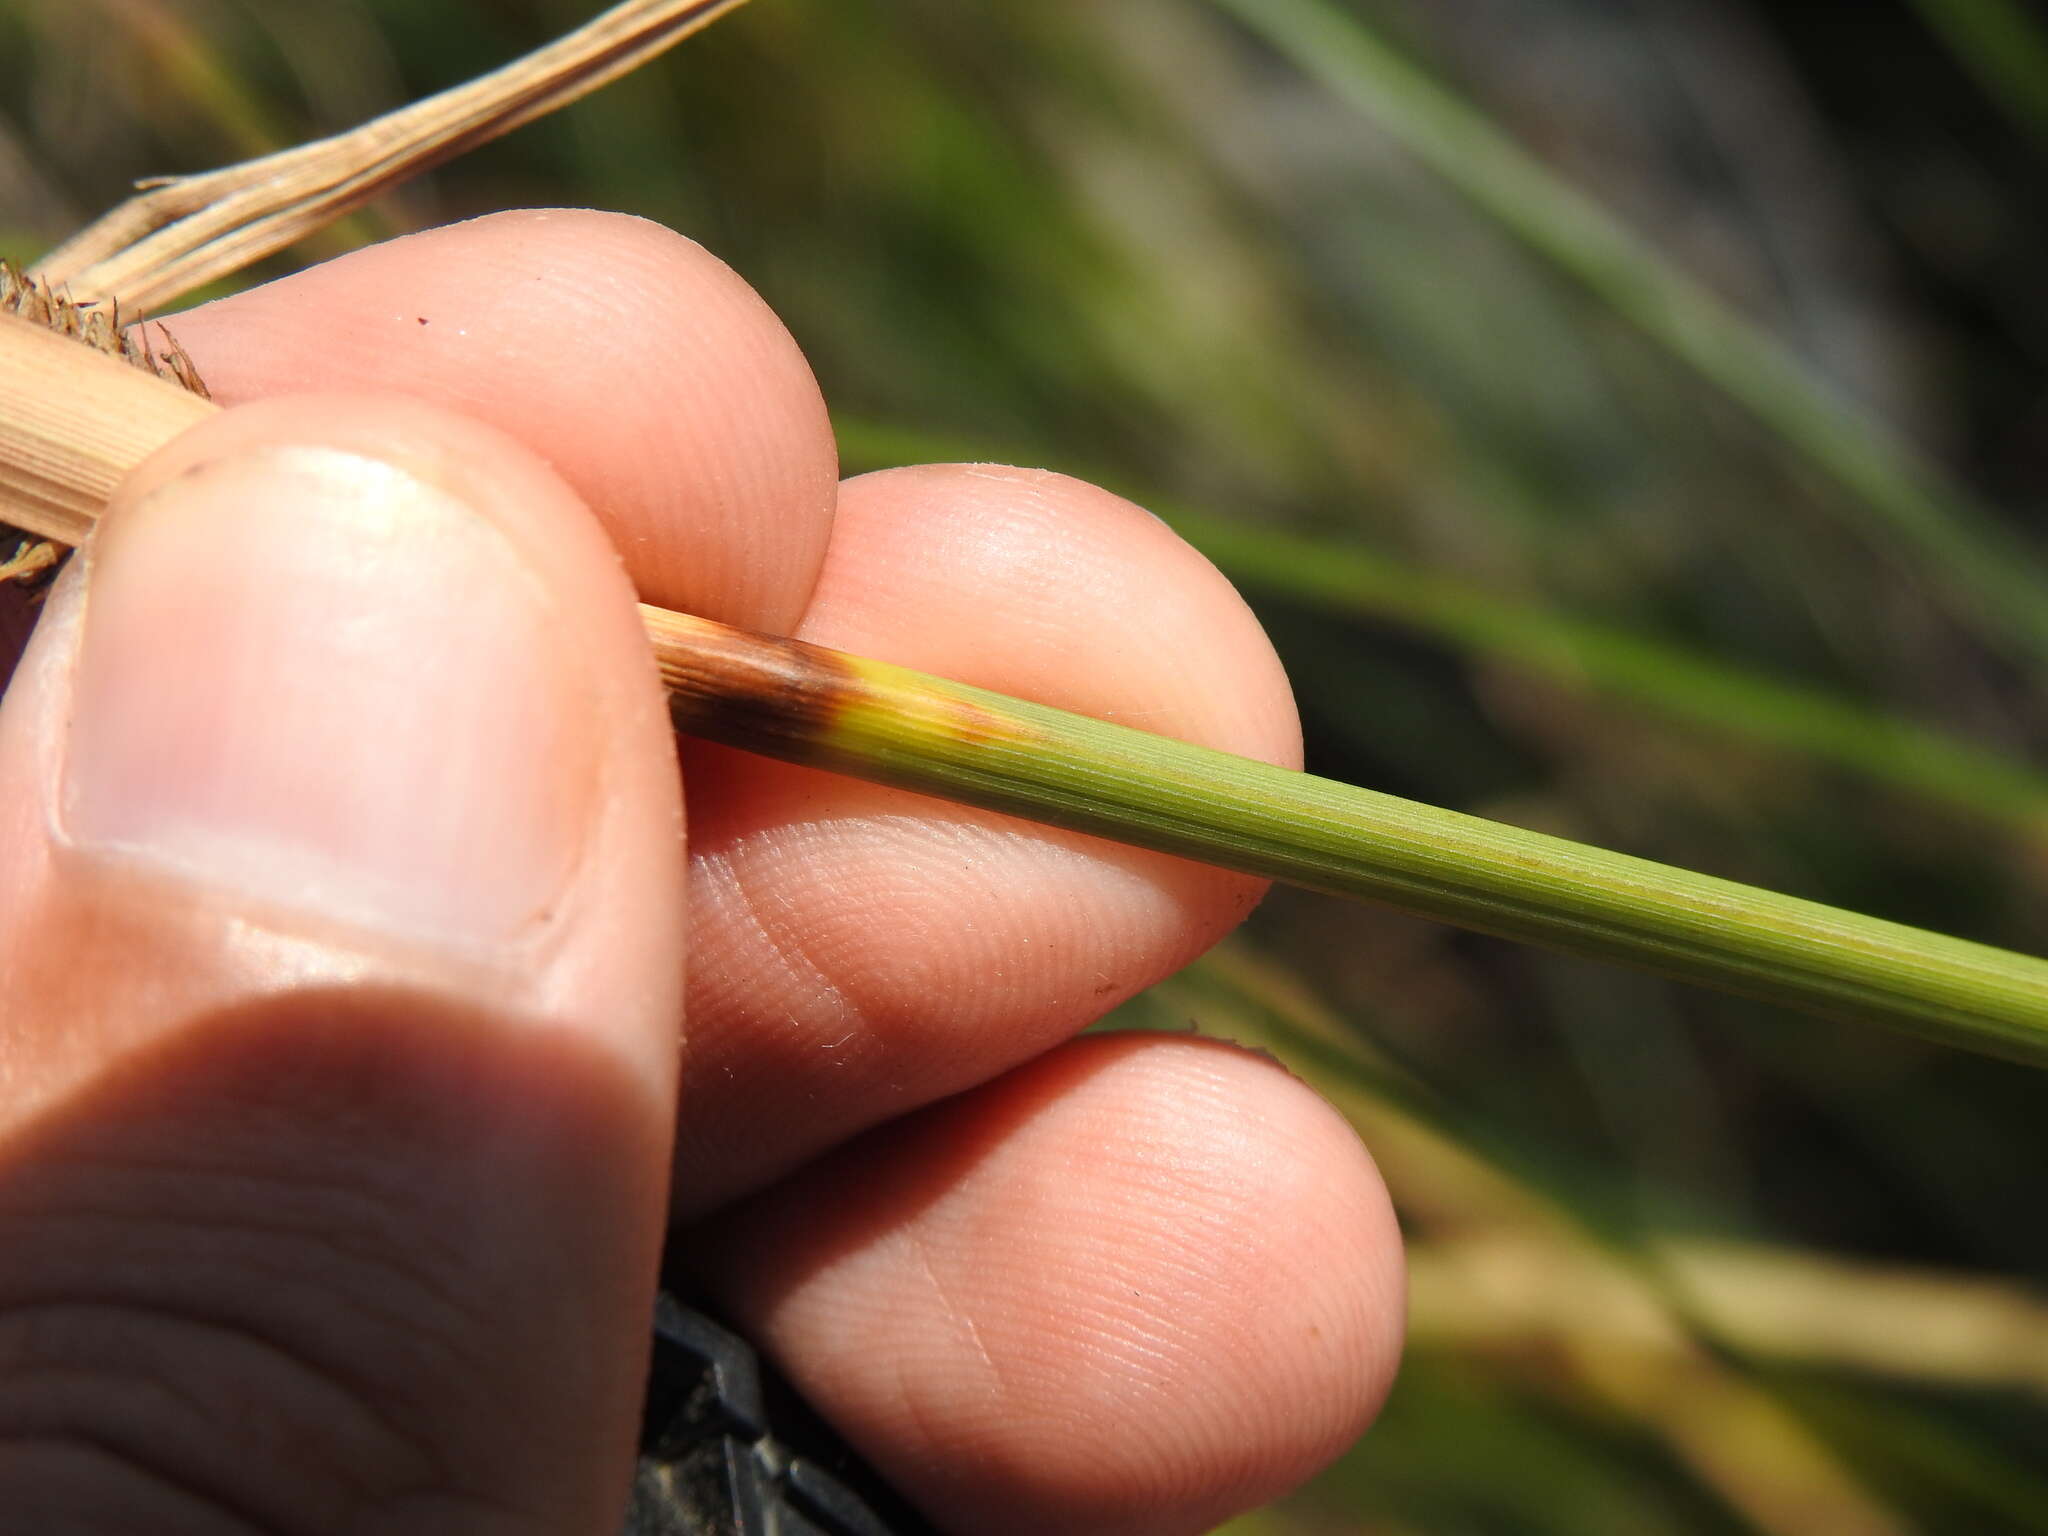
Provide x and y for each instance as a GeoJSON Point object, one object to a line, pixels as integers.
{"type": "Point", "coordinates": [1525, 554]}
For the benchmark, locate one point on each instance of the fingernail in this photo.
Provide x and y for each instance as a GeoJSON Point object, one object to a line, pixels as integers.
{"type": "Point", "coordinates": [311, 680]}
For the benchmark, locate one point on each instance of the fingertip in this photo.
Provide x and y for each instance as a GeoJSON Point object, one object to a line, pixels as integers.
{"type": "Point", "coordinates": [1135, 1287]}
{"type": "Point", "coordinates": [645, 370]}
{"type": "Point", "coordinates": [1034, 583]}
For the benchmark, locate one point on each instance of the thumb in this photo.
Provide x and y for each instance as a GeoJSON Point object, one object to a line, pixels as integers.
{"type": "Point", "coordinates": [340, 903]}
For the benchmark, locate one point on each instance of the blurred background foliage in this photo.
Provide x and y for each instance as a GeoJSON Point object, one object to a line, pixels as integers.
{"type": "Point", "coordinates": [1718, 542]}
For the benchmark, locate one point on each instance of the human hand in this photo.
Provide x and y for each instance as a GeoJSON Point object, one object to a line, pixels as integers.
{"type": "Point", "coordinates": [341, 952]}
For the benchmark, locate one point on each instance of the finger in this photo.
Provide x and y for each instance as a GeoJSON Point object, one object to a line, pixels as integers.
{"type": "Point", "coordinates": [864, 950]}
{"type": "Point", "coordinates": [339, 958]}
{"type": "Point", "coordinates": [1134, 1287]}
{"type": "Point", "coordinates": [636, 363]}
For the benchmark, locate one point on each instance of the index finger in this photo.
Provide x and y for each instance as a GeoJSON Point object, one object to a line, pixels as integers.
{"type": "Point", "coordinates": [654, 380]}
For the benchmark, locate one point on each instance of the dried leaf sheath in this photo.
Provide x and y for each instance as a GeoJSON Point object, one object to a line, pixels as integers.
{"type": "Point", "coordinates": [23, 555]}
{"type": "Point", "coordinates": [73, 420]}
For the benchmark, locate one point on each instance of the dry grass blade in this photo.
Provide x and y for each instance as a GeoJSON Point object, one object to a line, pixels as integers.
{"type": "Point", "coordinates": [185, 231]}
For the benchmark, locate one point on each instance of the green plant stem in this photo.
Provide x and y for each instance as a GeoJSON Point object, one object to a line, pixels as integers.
{"type": "Point", "coordinates": [1993, 582]}
{"type": "Point", "coordinates": [886, 723]}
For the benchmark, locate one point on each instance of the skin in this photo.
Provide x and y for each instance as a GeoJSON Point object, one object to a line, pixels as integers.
{"type": "Point", "coordinates": [345, 992]}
